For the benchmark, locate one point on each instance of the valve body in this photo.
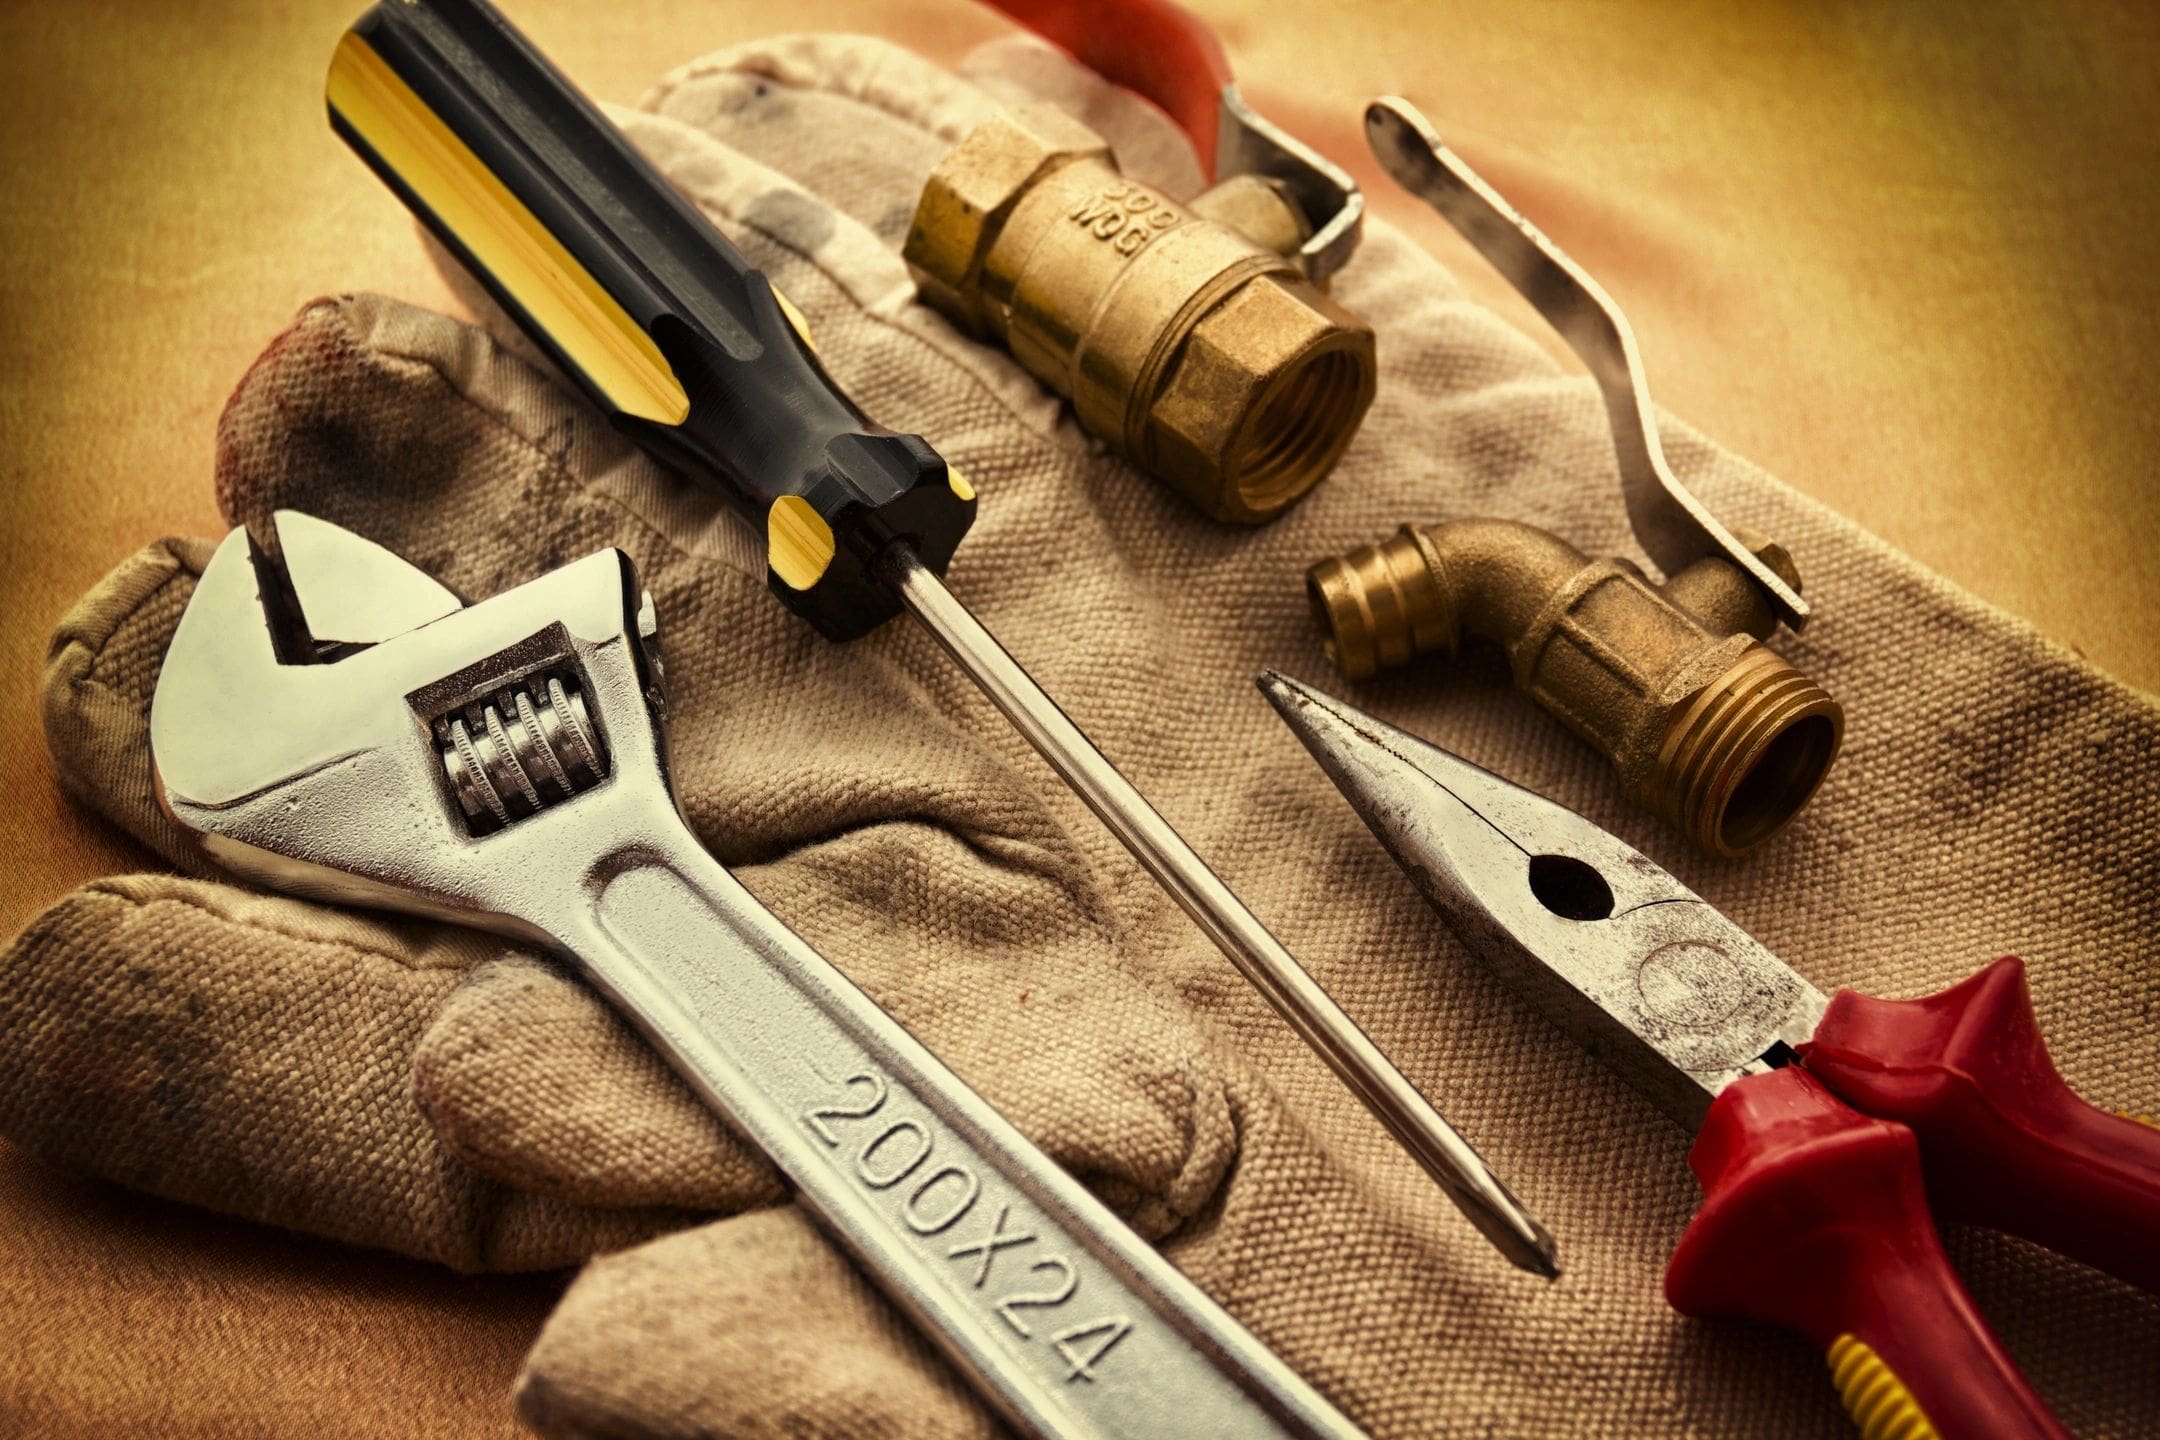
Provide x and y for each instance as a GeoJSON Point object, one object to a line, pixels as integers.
{"type": "Point", "coordinates": [1707, 726]}
{"type": "Point", "coordinates": [1198, 353]}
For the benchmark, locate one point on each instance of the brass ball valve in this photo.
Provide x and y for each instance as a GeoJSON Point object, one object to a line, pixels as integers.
{"type": "Point", "coordinates": [1199, 353]}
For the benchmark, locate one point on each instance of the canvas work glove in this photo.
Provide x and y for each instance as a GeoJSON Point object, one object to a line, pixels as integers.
{"type": "Point", "coordinates": [430, 1090]}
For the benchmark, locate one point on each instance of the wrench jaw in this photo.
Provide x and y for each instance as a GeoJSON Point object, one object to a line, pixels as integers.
{"type": "Point", "coordinates": [350, 592]}
{"type": "Point", "coordinates": [441, 770]}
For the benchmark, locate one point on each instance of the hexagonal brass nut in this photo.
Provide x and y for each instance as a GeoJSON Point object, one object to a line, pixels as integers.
{"type": "Point", "coordinates": [1270, 389]}
{"type": "Point", "coordinates": [971, 194]}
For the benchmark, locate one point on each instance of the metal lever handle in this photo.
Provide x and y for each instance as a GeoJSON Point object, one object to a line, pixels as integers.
{"type": "Point", "coordinates": [1672, 526]}
{"type": "Point", "coordinates": [1067, 1321]}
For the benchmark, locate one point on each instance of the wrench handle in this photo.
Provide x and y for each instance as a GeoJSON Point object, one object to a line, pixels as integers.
{"type": "Point", "coordinates": [1066, 1321]}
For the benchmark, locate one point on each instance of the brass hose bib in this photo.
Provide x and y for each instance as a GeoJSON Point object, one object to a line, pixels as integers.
{"type": "Point", "coordinates": [1197, 352]}
{"type": "Point", "coordinates": [1706, 726]}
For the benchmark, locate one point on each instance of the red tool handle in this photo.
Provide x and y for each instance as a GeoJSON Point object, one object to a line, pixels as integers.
{"type": "Point", "coordinates": [1151, 47]}
{"type": "Point", "coordinates": [2004, 1141]}
{"type": "Point", "coordinates": [1815, 1217]}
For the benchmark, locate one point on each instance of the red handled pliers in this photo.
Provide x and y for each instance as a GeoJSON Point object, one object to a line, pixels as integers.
{"type": "Point", "coordinates": [1825, 1123]}
{"type": "Point", "coordinates": [1168, 55]}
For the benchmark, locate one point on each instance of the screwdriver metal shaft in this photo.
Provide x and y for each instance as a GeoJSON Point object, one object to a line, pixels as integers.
{"type": "Point", "coordinates": [1308, 1009]}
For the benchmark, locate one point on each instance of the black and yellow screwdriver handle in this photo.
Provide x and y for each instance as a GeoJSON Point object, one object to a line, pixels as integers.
{"type": "Point", "coordinates": [633, 293]}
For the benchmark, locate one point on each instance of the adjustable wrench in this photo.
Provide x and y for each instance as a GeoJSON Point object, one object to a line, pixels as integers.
{"type": "Point", "coordinates": [334, 723]}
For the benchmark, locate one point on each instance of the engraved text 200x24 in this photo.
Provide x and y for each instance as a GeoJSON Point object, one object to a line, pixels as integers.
{"type": "Point", "coordinates": [943, 1202]}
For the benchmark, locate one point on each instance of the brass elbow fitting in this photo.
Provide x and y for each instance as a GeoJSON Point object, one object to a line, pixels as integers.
{"type": "Point", "coordinates": [1202, 356]}
{"type": "Point", "coordinates": [1706, 726]}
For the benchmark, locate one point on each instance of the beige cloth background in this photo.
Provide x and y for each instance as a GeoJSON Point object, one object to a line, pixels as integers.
{"type": "Point", "coordinates": [47, 1284]}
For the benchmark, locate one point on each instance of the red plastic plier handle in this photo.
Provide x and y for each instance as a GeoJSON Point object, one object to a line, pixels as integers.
{"type": "Point", "coordinates": [1818, 1178]}
{"type": "Point", "coordinates": [1828, 1123]}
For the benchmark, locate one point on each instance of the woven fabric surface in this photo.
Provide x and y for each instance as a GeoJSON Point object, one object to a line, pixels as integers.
{"type": "Point", "coordinates": [401, 1085]}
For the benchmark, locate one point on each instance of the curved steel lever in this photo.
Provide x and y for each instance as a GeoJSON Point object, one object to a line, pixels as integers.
{"type": "Point", "coordinates": [1673, 527]}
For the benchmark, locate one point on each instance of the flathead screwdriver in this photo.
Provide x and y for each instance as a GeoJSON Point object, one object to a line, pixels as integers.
{"type": "Point", "coordinates": [689, 350]}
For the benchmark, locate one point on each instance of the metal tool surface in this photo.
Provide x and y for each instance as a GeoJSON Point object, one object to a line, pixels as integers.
{"type": "Point", "coordinates": [1672, 526]}
{"type": "Point", "coordinates": [687, 348]}
{"type": "Point", "coordinates": [504, 765]}
{"type": "Point", "coordinates": [1664, 988]}
{"type": "Point", "coordinates": [1258, 955]}
{"type": "Point", "coordinates": [1828, 1128]}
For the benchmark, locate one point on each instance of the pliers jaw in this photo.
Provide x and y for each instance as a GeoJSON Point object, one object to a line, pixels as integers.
{"type": "Point", "coordinates": [1631, 964]}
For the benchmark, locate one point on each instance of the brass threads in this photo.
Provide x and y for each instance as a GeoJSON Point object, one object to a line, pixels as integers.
{"type": "Point", "coordinates": [1197, 352]}
{"type": "Point", "coordinates": [1740, 758]}
{"type": "Point", "coordinates": [1297, 431]}
{"type": "Point", "coordinates": [1706, 726]}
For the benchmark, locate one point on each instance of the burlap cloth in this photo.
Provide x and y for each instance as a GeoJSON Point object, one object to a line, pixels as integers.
{"type": "Point", "coordinates": [407, 1086]}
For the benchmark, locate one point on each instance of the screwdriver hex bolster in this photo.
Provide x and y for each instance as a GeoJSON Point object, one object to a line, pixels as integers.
{"type": "Point", "coordinates": [834, 488]}
{"type": "Point", "coordinates": [1705, 725]}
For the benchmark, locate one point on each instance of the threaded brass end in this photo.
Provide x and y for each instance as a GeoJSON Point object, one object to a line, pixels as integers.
{"type": "Point", "coordinates": [1298, 429]}
{"type": "Point", "coordinates": [1380, 605]}
{"type": "Point", "coordinates": [1743, 755]}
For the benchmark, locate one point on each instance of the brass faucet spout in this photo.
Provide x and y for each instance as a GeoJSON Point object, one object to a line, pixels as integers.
{"type": "Point", "coordinates": [1706, 725]}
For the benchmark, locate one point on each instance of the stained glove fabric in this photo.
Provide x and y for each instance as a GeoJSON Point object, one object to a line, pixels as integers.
{"type": "Point", "coordinates": [399, 1084]}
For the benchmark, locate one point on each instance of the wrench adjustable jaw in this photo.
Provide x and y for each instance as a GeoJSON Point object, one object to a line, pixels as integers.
{"type": "Point", "coordinates": [1631, 964]}
{"type": "Point", "coordinates": [312, 746]}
